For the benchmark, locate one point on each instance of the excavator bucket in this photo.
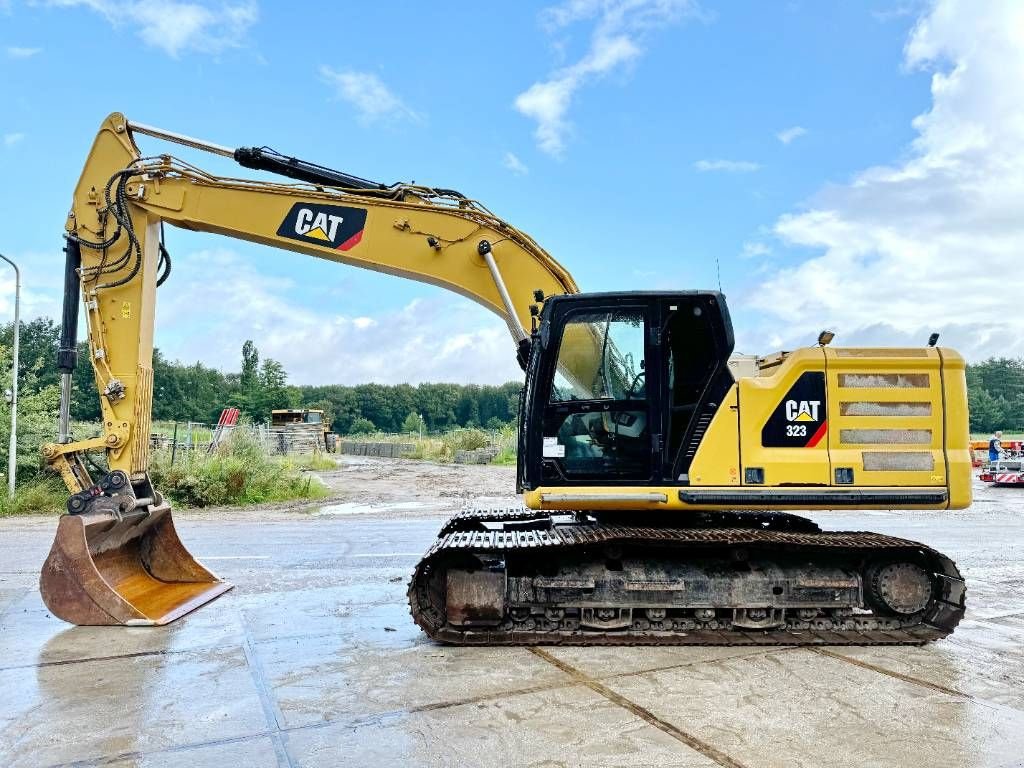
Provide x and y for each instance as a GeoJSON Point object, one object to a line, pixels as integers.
{"type": "Point", "coordinates": [106, 568]}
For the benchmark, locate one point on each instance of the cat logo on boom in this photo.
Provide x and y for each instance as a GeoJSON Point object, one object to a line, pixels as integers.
{"type": "Point", "coordinates": [331, 226]}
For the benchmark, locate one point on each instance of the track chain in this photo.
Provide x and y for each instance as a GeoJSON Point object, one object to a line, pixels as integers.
{"type": "Point", "coordinates": [464, 534]}
{"type": "Point", "coordinates": [471, 516]}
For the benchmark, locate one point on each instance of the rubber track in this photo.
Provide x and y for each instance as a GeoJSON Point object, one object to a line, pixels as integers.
{"type": "Point", "coordinates": [470, 517]}
{"type": "Point", "coordinates": [938, 620]}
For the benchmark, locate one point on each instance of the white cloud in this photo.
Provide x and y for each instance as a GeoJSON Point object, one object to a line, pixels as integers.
{"type": "Point", "coordinates": [16, 52]}
{"type": "Point", "coordinates": [10, 139]}
{"type": "Point", "coordinates": [619, 28]}
{"type": "Point", "coordinates": [42, 285]}
{"type": "Point", "coordinates": [514, 164]}
{"type": "Point", "coordinates": [369, 95]}
{"type": "Point", "coordinates": [936, 241]}
{"type": "Point", "coordinates": [727, 166]}
{"type": "Point", "coordinates": [754, 249]}
{"type": "Point", "coordinates": [791, 134]}
{"type": "Point", "coordinates": [426, 340]}
{"type": "Point", "coordinates": [177, 26]}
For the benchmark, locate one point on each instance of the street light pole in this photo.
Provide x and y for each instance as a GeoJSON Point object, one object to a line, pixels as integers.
{"type": "Point", "coordinates": [12, 455]}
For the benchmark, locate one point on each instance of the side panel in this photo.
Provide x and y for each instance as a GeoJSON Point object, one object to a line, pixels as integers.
{"type": "Point", "coordinates": [783, 423]}
{"type": "Point", "coordinates": [718, 459]}
{"type": "Point", "coordinates": [958, 434]}
{"type": "Point", "coordinates": [886, 413]}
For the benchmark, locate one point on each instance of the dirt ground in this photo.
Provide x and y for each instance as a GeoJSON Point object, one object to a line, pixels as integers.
{"type": "Point", "coordinates": [312, 659]}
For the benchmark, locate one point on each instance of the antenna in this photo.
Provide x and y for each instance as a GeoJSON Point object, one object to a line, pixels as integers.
{"type": "Point", "coordinates": [718, 270]}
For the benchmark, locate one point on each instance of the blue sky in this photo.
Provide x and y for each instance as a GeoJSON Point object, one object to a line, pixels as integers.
{"type": "Point", "coordinates": [847, 165]}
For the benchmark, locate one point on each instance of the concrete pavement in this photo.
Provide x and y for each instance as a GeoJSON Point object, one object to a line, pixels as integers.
{"type": "Point", "coordinates": [313, 661]}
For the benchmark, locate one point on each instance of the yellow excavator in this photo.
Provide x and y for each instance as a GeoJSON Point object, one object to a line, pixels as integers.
{"type": "Point", "coordinates": [658, 490]}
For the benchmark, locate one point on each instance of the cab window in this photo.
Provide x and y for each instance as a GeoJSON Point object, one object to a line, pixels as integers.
{"type": "Point", "coordinates": [596, 421]}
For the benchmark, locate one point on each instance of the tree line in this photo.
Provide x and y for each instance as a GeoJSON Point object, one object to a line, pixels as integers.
{"type": "Point", "coordinates": [995, 391]}
{"type": "Point", "coordinates": [196, 392]}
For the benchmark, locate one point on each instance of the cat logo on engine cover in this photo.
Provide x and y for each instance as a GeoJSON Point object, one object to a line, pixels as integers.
{"type": "Point", "coordinates": [800, 420]}
{"type": "Point", "coordinates": [330, 226]}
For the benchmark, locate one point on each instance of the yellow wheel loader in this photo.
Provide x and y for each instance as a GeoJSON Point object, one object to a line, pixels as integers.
{"type": "Point", "coordinates": [658, 490]}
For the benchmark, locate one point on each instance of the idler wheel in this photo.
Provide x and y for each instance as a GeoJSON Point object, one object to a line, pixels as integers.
{"type": "Point", "coordinates": [903, 588]}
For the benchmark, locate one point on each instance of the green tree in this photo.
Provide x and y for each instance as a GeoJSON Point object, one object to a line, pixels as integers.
{"type": "Point", "coordinates": [413, 424]}
{"type": "Point", "coordinates": [85, 399]}
{"type": "Point", "coordinates": [272, 389]}
{"type": "Point", "coordinates": [986, 412]}
{"type": "Point", "coordinates": [250, 365]}
{"type": "Point", "coordinates": [37, 418]}
{"type": "Point", "coordinates": [467, 407]}
{"type": "Point", "coordinates": [362, 426]}
{"type": "Point", "coordinates": [437, 404]}
{"type": "Point", "coordinates": [375, 405]}
{"type": "Point", "coordinates": [37, 349]}
{"type": "Point", "coordinates": [995, 390]}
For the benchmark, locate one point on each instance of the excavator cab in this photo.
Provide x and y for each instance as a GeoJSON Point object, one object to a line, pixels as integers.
{"type": "Point", "coordinates": [623, 386]}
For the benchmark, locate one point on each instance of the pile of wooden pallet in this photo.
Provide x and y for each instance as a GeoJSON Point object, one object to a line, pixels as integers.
{"type": "Point", "coordinates": [297, 437]}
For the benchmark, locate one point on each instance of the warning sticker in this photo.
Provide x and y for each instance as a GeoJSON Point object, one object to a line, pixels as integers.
{"type": "Point", "coordinates": [553, 449]}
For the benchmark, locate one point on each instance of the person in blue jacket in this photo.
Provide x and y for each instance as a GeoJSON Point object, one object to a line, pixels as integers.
{"type": "Point", "coordinates": [995, 446]}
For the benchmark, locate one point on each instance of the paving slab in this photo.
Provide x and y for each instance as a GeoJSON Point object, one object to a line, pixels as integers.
{"type": "Point", "coordinates": [984, 659]}
{"type": "Point", "coordinates": [315, 612]}
{"type": "Point", "coordinates": [563, 727]}
{"type": "Point", "coordinates": [256, 752]}
{"type": "Point", "coordinates": [805, 709]}
{"type": "Point", "coordinates": [993, 590]}
{"type": "Point", "coordinates": [76, 711]}
{"type": "Point", "coordinates": [9, 596]}
{"type": "Point", "coordinates": [600, 662]}
{"type": "Point", "coordinates": [30, 634]}
{"type": "Point", "coordinates": [368, 670]}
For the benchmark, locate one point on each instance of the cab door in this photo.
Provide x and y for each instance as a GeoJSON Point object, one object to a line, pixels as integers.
{"type": "Point", "coordinates": [599, 416]}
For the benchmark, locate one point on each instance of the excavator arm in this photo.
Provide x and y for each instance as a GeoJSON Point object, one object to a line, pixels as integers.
{"type": "Point", "coordinates": [118, 532]}
{"type": "Point", "coordinates": [114, 233]}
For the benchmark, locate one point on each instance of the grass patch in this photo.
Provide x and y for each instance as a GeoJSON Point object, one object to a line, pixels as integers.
{"type": "Point", "coordinates": [506, 458]}
{"type": "Point", "coordinates": [317, 462]}
{"type": "Point", "coordinates": [240, 473]}
{"type": "Point", "coordinates": [44, 494]}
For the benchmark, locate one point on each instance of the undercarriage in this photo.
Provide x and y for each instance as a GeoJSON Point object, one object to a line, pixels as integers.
{"type": "Point", "coordinates": [513, 576]}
